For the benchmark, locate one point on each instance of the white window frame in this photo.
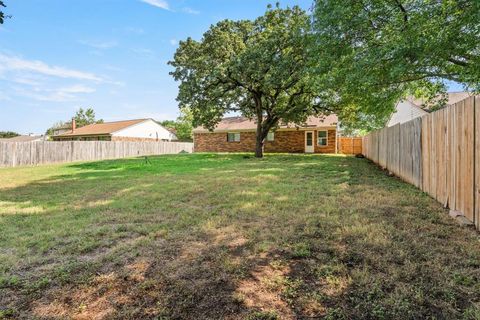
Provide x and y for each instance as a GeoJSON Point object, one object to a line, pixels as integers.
{"type": "Point", "coordinates": [322, 138]}
{"type": "Point", "coordinates": [236, 136]}
{"type": "Point", "coordinates": [271, 134]}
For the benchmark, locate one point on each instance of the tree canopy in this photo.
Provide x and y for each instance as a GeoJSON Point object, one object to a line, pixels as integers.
{"type": "Point", "coordinates": [85, 117]}
{"type": "Point", "coordinates": [376, 52]}
{"type": "Point", "coordinates": [8, 134]}
{"type": "Point", "coordinates": [82, 118]}
{"type": "Point", "coordinates": [182, 126]}
{"type": "Point", "coordinates": [258, 69]}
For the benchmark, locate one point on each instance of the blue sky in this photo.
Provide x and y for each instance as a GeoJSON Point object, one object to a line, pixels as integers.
{"type": "Point", "coordinates": [59, 55]}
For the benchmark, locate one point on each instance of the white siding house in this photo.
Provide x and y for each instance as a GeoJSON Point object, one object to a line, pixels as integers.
{"type": "Point", "coordinates": [410, 109]}
{"type": "Point", "coordinates": [405, 111]}
{"type": "Point", "coordinates": [148, 129]}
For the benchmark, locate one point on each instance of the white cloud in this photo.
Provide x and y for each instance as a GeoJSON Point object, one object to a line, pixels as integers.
{"type": "Point", "coordinates": [112, 68]}
{"type": "Point", "coordinates": [62, 94]}
{"type": "Point", "coordinates": [190, 10]}
{"type": "Point", "coordinates": [99, 44]}
{"type": "Point", "coordinates": [30, 81]}
{"type": "Point", "coordinates": [143, 52]}
{"type": "Point", "coordinates": [18, 64]}
{"type": "Point", "coordinates": [173, 42]}
{"type": "Point", "coordinates": [77, 88]}
{"type": "Point", "coordinates": [5, 97]}
{"type": "Point", "coordinates": [134, 30]}
{"type": "Point", "coordinates": [162, 4]}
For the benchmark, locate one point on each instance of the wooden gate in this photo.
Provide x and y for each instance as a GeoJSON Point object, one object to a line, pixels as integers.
{"type": "Point", "coordinates": [348, 145]}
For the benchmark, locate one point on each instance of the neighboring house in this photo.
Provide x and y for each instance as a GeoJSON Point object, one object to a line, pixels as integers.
{"type": "Point", "coordinates": [63, 129]}
{"type": "Point", "coordinates": [128, 130]}
{"type": "Point", "coordinates": [237, 134]}
{"type": "Point", "coordinates": [412, 108]}
{"type": "Point", "coordinates": [25, 138]}
{"type": "Point", "coordinates": [405, 111]}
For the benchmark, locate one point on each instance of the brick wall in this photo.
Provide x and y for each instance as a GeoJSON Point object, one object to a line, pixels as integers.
{"type": "Point", "coordinates": [217, 142]}
{"type": "Point", "coordinates": [285, 141]}
{"type": "Point", "coordinates": [331, 141]}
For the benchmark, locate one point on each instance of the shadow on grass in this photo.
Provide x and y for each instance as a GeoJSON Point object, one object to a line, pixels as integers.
{"type": "Point", "coordinates": [224, 236]}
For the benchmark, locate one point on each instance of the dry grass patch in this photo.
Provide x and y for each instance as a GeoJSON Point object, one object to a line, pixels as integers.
{"type": "Point", "coordinates": [227, 237]}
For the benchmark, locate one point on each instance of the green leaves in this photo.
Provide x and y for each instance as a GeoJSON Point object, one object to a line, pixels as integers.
{"type": "Point", "coordinates": [376, 52]}
{"type": "Point", "coordinates": [256, 68]}
{"type": "Point", "coordinates": [182, 126]}
{"type": "Point", "coordinates": [2, 14]}
{"type": "Point", "coordinates": [85, 117]}
{"type": "Point", "coordinates": [8, 134]}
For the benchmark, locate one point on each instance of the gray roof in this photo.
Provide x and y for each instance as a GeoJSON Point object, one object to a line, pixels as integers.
{"type": "Point", "coordinates": [23, 139]}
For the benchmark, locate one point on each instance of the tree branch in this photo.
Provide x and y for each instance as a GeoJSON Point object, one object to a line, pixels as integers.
{"type": "Point", "coordinates": [458, 62]}
{"type": "Point", "coordinates": [404, 11]}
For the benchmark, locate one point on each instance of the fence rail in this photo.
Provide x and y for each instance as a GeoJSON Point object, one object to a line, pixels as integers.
{"type": "Point", "coordinates": [439, 153]}
{"type": "Point", "coordinates": [14, 154]}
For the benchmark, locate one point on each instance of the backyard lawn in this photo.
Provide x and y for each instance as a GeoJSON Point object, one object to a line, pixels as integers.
{"type": "Point", "coordinates": [210, 236]}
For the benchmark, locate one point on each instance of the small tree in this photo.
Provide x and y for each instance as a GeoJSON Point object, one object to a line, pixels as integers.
{"type": "Point", "coordinates": [85, 117]}
{"type": "Point", "coordinates": [255, 68]}
{"type": "Point", "coordinates": [82, 118]}
{"type": "Point", "coordinates": [182, 126]}
{"type": "Point", "coordinates": [8, 134]}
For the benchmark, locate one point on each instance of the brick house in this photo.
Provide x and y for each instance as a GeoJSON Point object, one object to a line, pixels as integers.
{"type": "Point", "coordinates": [237, 134]}
{"type": "Point", "coordinates": [128, 130]}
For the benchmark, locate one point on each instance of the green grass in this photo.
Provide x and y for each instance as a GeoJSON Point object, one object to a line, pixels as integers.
{"type": "Point", "coordinates": [210, 236]}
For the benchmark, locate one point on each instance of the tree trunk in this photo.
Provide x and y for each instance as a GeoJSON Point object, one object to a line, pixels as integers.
{"type": "Point", "coordinates": [259, 133]}
{"type": "Point", "coordinates": [259, 144]}
{"type": "Point", "coordinates": [263, 128]}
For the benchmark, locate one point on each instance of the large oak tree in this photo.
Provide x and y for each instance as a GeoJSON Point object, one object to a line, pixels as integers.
{"type": "Point", "coordinates": [376, 52]}
{"type": "Point", "coordinates": [257, 68]}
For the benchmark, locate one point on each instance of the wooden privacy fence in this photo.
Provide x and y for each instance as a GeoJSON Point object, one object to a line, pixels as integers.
{"type": "Point", "coordinates": [439, 153]}
{"type": "Point", "coordinates": [33, 153]}
{"type": "Point", "coordinates": [348, 145]}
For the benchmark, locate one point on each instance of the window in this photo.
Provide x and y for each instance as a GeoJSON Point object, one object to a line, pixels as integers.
{"type": "Point", "coordinates": [270, 136]}
{"type": "Point", "coordinates": [233, 136]}
{"type": "Point", "coordinates": [322, 138]}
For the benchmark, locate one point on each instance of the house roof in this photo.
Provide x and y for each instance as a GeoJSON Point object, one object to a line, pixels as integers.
{"type": "Point", "coordinates": [22, 139]}
{"type": "Point", "coordinates": [242, 123]}
{"type": "Point", "coordinates": [101, 128]}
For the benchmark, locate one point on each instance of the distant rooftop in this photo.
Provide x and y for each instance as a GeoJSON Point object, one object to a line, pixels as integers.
{"type": "Point", "coordinates": [22, 139]}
